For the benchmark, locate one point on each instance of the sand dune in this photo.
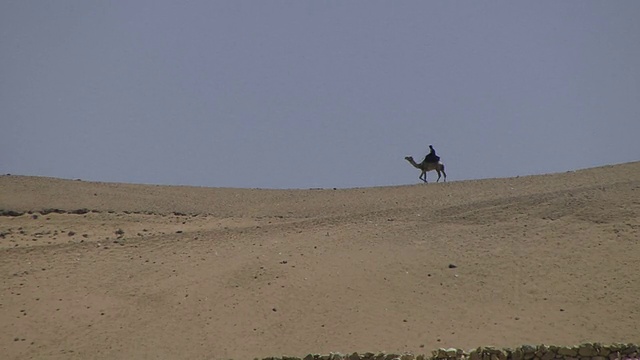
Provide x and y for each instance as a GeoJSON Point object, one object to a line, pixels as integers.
{"type": "Point", "coordinates": [122, 271]}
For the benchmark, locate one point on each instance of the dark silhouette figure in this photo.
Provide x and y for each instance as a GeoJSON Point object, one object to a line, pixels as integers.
{"type": "Point", "coordinates": [431, 156]}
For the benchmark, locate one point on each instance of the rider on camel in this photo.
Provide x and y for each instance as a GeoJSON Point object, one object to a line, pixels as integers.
{"type": "Point", "coordinates": [431, 156]}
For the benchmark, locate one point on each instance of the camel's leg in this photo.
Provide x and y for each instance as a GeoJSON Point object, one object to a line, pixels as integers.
{"type": "Point", "coordinates": [438, 171]}
{"type": "Point", "coordinates": [444, 173]}
{"type": "Point", "coordinates": [423, 177]}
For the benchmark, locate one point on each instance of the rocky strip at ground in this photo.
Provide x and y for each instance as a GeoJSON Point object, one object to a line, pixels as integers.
{"type": "Point", "coordinates": [14, 213]}
{"type": "Point", "coordinates": [586, 351]}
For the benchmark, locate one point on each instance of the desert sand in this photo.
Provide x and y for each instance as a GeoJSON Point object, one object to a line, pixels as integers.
{"type": "Point", "coordinates": [94, 270]}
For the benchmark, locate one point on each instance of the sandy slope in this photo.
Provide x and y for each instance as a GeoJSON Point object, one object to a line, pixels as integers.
{"type": "Point", "coordinates": [182, 272]}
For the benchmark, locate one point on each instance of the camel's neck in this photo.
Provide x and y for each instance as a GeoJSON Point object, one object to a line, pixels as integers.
{"type": "Point", "coordinates": [413, 162]}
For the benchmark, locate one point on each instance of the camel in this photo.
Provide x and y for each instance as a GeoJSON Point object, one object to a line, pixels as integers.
{"type": "Point", "coordinates": [426, 167]}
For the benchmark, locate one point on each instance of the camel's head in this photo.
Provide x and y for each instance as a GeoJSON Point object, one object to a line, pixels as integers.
{"type": "Point", "coordinates": [408, 158]}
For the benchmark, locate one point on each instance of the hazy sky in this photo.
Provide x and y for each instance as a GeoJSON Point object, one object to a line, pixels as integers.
{"type": "Point", "coordinates": [300, 94]}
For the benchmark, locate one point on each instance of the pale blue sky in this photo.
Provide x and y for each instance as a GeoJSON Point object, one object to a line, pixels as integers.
{"type": "Point", "coordinates": [300, 94]}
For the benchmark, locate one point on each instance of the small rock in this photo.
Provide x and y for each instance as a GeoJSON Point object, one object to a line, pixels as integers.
{"type": "Point", "coordinates": [452, 266]}
{"type": "Point", "coordinates": [549, 355]}
{"type": "Point", "coordinates": [587, 349]}
{"type": "Point", "coordinates": [517, 354]}
{"type": "Point", "coordinates": [477, 355]}
{"type": "Point", "coordinates": [568, 351]}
